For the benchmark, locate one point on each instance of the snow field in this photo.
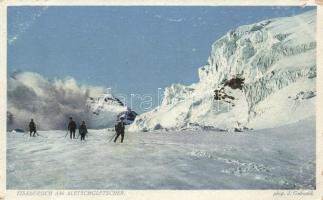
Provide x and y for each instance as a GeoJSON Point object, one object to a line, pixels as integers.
{"type": "Point", "coordinates": [277, 158]}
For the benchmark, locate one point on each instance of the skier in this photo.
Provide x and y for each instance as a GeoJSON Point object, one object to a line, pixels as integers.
{"type": "Point", "coordinates": [83, 130]}
{"type": "Point", "coordinates": [120, 129]}
{"type": "Point", "coordinates": [71, 127]}
{"type": "Point", "coordinates": [32, 128]}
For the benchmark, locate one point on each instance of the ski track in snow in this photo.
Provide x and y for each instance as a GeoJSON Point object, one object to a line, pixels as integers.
{"type": "Point", "coordinates": [278, 158]}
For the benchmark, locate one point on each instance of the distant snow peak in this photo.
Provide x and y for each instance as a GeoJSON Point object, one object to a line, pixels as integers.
{"type": "Point", "coordinates": [257, 76]}
{"type": "Point", "coordinates": [105, 110]}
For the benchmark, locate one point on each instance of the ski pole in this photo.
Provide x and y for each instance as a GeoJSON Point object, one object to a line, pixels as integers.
{"type": "Point", "coordinates": [112, 137]}
{"type": "Point", "coordinates": [26, 131]}
{"type": "Point", "coordinates": [66, 134]}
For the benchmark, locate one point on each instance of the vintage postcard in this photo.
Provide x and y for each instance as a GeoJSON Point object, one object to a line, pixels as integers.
{"type": "Point", "coordinates": [161, 100]}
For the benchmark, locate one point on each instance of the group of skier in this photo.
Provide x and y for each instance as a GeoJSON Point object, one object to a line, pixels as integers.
{"type": "Point", "coordinates": [72, 128]}
{"type": "Point", "coordinates": [119, 128]}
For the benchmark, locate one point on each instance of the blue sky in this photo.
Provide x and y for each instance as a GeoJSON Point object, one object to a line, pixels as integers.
{"type": "Point", "coordinates": [131, 49]}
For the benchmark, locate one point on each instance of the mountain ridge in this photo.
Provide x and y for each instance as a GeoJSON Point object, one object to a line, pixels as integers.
{"type": "Point", "coordinates": [269, 56]}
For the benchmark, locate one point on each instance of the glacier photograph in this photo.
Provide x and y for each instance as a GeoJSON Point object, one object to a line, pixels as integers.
{"type": "Point", "coordinates": [161, 98]}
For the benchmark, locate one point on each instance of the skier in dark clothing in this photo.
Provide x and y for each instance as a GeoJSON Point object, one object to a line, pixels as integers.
{"type": "Point", "coordinates": [71, 127]}
{"type": "Point", "coordinates": [32, 128]}
{"type": "Point", "coordinates": [120, 130]}
{"type": "Point", "coordinates": [83, 130]}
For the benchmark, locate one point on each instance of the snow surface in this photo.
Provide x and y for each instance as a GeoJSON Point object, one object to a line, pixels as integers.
{"type": "Point", "coordinates": [275, 158]}
{"type": "Point", "coordinates": [275, 57]}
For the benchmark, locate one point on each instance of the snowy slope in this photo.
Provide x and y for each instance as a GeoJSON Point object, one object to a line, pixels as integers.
{"type": "Point", "coordinates": [264, 74]}
{"type": "Point", "coordinates": [277, 158]}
